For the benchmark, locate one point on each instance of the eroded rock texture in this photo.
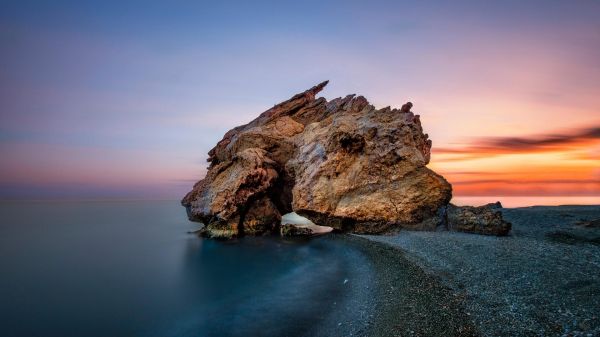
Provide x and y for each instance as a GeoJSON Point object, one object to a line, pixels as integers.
{"type": "Point", "coordinates": [342, 163]}
{"type": "Point", "coordinates": [486, 219]}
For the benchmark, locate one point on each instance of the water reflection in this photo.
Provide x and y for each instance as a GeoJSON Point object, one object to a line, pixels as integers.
{"type": "Point", "coordinates": [130, 269]}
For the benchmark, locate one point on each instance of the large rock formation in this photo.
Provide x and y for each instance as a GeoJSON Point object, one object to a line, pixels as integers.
{"type": "Point", "coordinates": [341, 163]}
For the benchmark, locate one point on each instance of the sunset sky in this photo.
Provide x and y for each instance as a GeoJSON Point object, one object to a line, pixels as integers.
{"type": "Point", "coordinates": [114, 100]}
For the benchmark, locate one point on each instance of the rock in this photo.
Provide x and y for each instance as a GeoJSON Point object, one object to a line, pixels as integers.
{"type": "Point", "coordinates": [262, 217]}
{"type": "Point", "coordinates": [406, 107]}
{"type": "Point", "coordinates": [342, 163]}
{"type": "Point", "coordinates": [480, 220]}
{"type": "Point", "coordinates": [494, 205]}
{"type": "Point", "coordinates": [288, 230]}
{"type": "Point", "coordinates": [230, 189]}
{"type": "Point", "coordinates": [301, 226]}
{"type": "Point", "coordinates": [363, 170]}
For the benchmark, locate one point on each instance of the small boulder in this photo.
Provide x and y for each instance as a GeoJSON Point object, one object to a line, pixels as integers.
{"type": "Point", "coordinates": [485, 220]}
{"type": "Point", "coordinates": [289, 229]}
{"type": "Point", "coordinates": [220, 230]}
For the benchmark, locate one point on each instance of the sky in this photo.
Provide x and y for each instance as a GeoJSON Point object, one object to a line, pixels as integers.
{"type": "Point", "coordinates": [115, 99]}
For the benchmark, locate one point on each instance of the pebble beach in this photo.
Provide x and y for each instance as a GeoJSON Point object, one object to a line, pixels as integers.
{"type": "Point", "coordinates": [541, 280]}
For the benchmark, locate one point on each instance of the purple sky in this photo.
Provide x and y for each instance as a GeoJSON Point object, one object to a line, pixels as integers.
{"type": "Point", "coordinates": [124, 101]}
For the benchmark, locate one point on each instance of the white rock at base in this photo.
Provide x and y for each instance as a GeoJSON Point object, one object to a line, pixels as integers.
{"type": "Point", "coordinates": [302, 222]}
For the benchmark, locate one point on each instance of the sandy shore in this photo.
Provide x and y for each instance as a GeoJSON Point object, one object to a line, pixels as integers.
{"type": "Point", "coordinates": [542, 280]}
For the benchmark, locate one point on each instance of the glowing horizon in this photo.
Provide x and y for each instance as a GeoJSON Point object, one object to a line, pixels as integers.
{"type": "Point", "coordinates": [559, 164]}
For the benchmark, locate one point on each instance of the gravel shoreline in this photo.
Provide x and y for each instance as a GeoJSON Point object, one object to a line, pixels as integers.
{"type": "Point", "coordinates": [542, 280]}
{"type": "Point", "coordinates": [407, 301]}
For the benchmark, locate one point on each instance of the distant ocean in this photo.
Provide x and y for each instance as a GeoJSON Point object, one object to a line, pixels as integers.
{"type": "Point", "coordinates": [527, 201]}
{"type": "Point", "coordinates": [130, 269]}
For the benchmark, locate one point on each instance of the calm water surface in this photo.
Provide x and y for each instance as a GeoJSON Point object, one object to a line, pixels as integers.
{"type": "Point", "coordinates": [130, 269]}
{"type": "Point", "coordinates": [521, 201]}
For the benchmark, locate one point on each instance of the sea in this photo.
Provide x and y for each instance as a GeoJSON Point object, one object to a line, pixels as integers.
{"type": "Point", "coordinates": [526, 201]}
{"type": "Point", "coordinates": [131, 268]}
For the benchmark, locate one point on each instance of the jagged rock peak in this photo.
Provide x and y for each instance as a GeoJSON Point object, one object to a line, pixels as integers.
{"type": "Point", "coordinates": [342, 163]}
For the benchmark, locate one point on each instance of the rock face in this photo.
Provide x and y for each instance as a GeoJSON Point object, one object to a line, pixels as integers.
{"type": "Point", "coordinates": [485, 219]}
{"type": "Point", "coordinates": [342, 163]}
{"type": "Point", "coordinates": [293, 230]}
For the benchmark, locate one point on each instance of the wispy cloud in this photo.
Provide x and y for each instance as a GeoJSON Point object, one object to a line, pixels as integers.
{"type": "Point", "coordinates": [558, 163]}
{"type": "Point", "coordinates": [534, 143]}
{"type": "Point", "coordinates": [534, 181]}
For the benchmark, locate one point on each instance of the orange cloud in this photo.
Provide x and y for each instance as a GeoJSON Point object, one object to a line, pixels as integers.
{"type": "Point", "coordinates": [544, 143]}
{"type": "Point", "coordinates": [558, 164]}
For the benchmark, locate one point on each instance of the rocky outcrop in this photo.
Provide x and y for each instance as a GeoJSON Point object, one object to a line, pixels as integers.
{"type": "Point", "coordinates": [485, 219]}
{"type": "Point", "coordinates": [342, 163]}
{"type": "Point", "coordinates": [495, 205]}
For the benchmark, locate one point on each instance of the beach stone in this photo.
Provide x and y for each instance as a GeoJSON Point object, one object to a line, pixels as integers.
{"type": "Point", "coordinates": [288, 230]}
{"type": "Point", "coordinates": [341, 163]}
{"type": "Point", "coordinates": [485, 219]}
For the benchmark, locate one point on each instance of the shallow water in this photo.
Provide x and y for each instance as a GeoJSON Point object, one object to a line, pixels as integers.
{"type": "Point", "coordinates": [130, 269]}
